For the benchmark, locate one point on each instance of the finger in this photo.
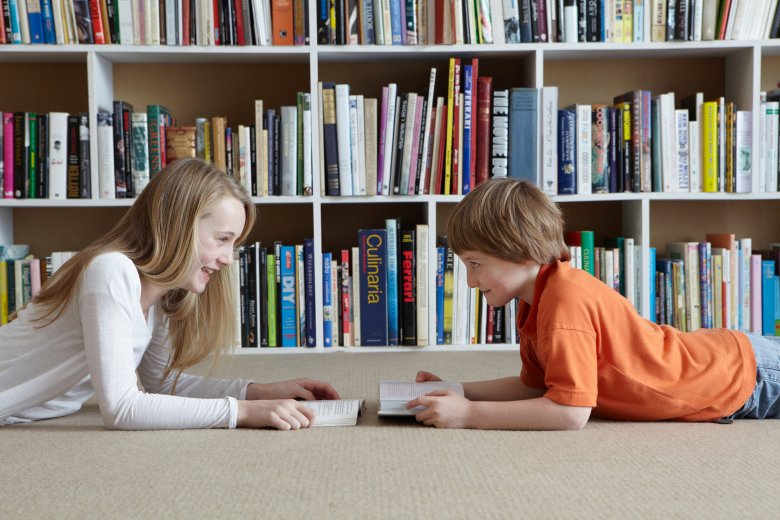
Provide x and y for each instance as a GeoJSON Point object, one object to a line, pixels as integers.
{"type": "Point", "coordinates": [412, 403]}
{"type": "Point", "coordinates": [305, 394]}
{"type": "Point", "coordinates": [322, 390]}
{"type": "Point", "coordinates": [306, 412]}
{"type": "Point", "coordinates": [422, 376]}
{"type": "Point", "coordinates": [438, 393]}
{"type": "Point", "coordinates": [303, 420]}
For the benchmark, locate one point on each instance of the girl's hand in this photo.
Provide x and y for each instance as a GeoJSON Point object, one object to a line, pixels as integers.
{"type": "Point", "coordinates": [302, 388]}
{"type": "Point", "coordinates": [281, 414]}
{"type": "Point", "coordinates": [423, 376]}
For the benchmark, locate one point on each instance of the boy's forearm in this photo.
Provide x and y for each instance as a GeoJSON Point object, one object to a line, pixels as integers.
{"type": "Point", "coordinates": [532, 414]}
{"type": "Point", "coordinates": [506, 389]}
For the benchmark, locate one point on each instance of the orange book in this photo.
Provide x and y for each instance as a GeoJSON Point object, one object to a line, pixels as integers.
{"type": "Point", "coordinates": [282, 22]}
{"type": "Point", "coordinates": [96, 13]}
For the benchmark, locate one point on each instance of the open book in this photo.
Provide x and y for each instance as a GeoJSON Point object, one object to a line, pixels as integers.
{"type": "Point", "coordinates": [393, 395]}
{"type": "Point", "coordinates": [343, 412]}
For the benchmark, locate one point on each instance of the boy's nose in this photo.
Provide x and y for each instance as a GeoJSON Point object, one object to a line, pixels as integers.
{"type": "Point", "coordinates": [471, 281]}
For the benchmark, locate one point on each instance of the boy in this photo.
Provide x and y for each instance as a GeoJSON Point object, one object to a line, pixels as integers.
{"type": "Point", "coordinates": [584, 349]}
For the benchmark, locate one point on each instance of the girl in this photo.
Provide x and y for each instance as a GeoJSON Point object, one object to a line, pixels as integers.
{"type": "Point", "coordinates": [153, 297]}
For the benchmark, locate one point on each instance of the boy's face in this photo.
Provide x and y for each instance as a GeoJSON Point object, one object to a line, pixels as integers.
{"type": "Point", "coordinates": [500, 280]}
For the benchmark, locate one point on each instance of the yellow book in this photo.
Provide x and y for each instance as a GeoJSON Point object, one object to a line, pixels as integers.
{"type": "Point", "coordinates": [710, 146]}
{"type": "Point", "coordinates": [3, 293]}
{"type": "Point", "coordinates": [454, 66]}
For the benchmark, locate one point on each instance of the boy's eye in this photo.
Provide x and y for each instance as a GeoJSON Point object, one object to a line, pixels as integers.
{"type": "Point", "coordinates": [474, 265]}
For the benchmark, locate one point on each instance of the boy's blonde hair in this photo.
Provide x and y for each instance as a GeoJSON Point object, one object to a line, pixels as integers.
{"type": "Point", "coordinates": [159, 233]}
{"type": "Point", "coordinates": [508, 219]}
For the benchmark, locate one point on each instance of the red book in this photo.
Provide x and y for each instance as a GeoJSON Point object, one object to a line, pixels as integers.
{"type": "Point", "coordinates": [426, 181]}
{"type": "Point", "coordinates": [439, 22]}
{"type": "Point", "coordinates": [282, 22]}
{"type": "Point", "coordinates": [345, 299]}
{"type": "Point", "coordinates": [95, 13]}
{"type": "Point", "coordinates": [2, 28]}
{"type": "Point", "coordinates": [239, 10]}
{"type": "Point", "coordinates": [726, 7]}
{"type": "Point", "coordinates": [489, 324]}
{"type": "Point", "coordinates": [484, 95]}
{"type": "Point", "coordinates": [185, 17]}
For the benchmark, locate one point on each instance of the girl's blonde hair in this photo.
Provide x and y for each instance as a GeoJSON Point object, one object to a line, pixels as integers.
{"type": "Point", "coordinates": [159, 233]}
{"type": "Point", "coordinates": [508, 219]}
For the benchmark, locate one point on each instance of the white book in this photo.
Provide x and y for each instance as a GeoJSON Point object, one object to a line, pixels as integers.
{"type": "Point", "coordinates": [393, 395]}
{"type": "Point", "coordinates": [421, 276]}
{"type": "Point", "coordinates": [457, 7]}
{"type": "Point", "coordinates": [170, 22]}
{"type": "Point", "coordinates": [308, 187]}
{"type": "Point", "coordinates": [694, 156]}
{"type": "Point", "coordinates": [425, 143]}
{"type": "Point", "coordinates": [730, 29]}
{"type": "Point", "coordinates": [343, 139]}
{"type": "Point", "coordinates": [24, 25]}
{"type": "Point", "coordinates": [58, 155]}
{"type": "Point", "coordinates": [370, 143]}
{"type": "Point", "coordinates": [154, 22]}
{"type": "Point", "coordinates": [584, 149]}
{"type": "Point", "coordinates": [354, 160]}
{"type": "Point", "coordinates": [246, 158]}
{"type": "Point", "coordinates": [321, 127]}
{"type": "Point", "coordinates": [772, 130]}
{"type": "Point", "coordinates": [496, 21]}
{"type": "Point", "coordinates": [59, 30]}
{"type": "Point", "coordinates": [289, 150]}
{"type": "Point", "coordinates": [744, 299]}
{"type": "Point", "coordinates": [105, 136]}
{"type": "Point", "coordinates": [549, 139]}
{"type": "Point", "coordinates": [629, 258]}
{"type": "Point", "coordinates": [341, 412]}
{"type": "Point", "coordinates": [511, 22]}
{"type": "Point", "coordinates": [681, 128]}
{"type": "Point", "coordinates": [697, 19]}
{"type": "Point", "coordinates": [262, 180]}
{"type": "Point", "coordinates": [609, 268]}
{"type": "Point", "coordinates": [744, 151]}
{"type": "Point", "coordinates": [669, 174]}
{"type": "Point", "coordinates": [125, 8]}
{"type": "Point", "coordinates": [361, 146]}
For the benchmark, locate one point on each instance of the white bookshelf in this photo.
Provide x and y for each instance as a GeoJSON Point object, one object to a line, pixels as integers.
{"type": "Point", "coordinates": [226, 80]}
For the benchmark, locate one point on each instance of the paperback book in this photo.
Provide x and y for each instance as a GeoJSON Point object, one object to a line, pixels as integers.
{"type": "Point", "coordinates": [393, 395]}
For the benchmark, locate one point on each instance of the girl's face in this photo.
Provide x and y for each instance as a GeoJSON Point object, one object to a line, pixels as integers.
{"type": "Point", "coordinates": [217, 234]}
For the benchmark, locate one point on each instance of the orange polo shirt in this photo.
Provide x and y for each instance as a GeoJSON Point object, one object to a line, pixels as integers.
{"type": "Point", "coordinates": [587, 346]}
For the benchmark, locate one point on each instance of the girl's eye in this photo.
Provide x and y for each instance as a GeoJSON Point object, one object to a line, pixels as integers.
{"type": "Point", "coordinates": [224, 240]}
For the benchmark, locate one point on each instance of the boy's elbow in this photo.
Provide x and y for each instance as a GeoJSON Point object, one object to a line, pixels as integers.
{"type": "Point", "coordinates": [577, 417]}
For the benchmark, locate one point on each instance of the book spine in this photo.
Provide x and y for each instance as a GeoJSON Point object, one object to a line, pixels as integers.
{"type": "Point", "coordinates": [105, 135]}
{"type": "Point", "coordinates": [327, 300]}
{"type": "Point", "coordinates": [408, 292]}
{"type": "Point", "coordinates": [8, 155]}
{"type": "Point", "coordinates": [567, 152]}
{"type": "Point", "coordinates": [287, 296]}
{"type": "Point", "coordinates": [373, 286]}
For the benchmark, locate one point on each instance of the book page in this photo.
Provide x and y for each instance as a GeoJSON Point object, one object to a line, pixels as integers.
{"type": "Point", "coordinates": [342, 412]}
{"type": "Point", "coordinates": [408, 390]}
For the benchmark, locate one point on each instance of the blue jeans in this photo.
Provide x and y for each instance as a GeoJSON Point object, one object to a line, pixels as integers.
{"type": "Point", "coordinates": [765, 401]}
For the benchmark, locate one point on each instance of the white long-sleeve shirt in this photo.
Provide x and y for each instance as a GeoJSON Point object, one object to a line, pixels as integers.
{"type": "Point", "coordinates": [97, 346]}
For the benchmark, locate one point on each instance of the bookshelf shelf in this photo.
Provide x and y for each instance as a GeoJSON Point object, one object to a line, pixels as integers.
{"type": "Point", "coordinates": [194, 81]}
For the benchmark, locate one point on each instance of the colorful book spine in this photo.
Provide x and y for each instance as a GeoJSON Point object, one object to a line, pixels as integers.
{"type": "Point", "coordinates": [440, 255]}
{"type": "Point", "coordinates": [327, 300]}
{"type": "Point", "coordinates": [287, 297]}
{"type": "Point", "coordinates": [710, 146]}
{"type": "Point", "coordinates": [567, 152]}
{"type": "Point", "coordinates": [273, 333]}
{"type": "Point", "coordinates": [311, 329]}
{"type": "Point", "coordinates": [391, 229]}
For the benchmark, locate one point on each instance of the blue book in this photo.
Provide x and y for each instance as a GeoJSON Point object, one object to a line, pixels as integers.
{"type": "Point", "coordinates": [35, 20]}
{"type": "Point", "coordinates": [391, 227]}
{"type": "Point", "coordinates": [768, 297]}
{"type": "Point", "coordinates": [287, 297]}
{"type": "Point", "coordinates": [705, 284]}
{"type": "Point", "coordinates": [308, 255]}
{"type": "Point", "coordinates": [327, 300]}
{"type": "Point", "coordinates": [468, 110]}
{"type": "Point", "coordinates": [373, 287]}
{"type": "Point", "coordinates": [440, 295]}
{"type": "Point", "coordinates": [396, 27]}
{"type": "Point", "coordinates": [524, 134]}
{"type": "Point", "coordinates": [49, 36]}
{"type": "Point", "coordinates": [651, 293]}
{"type": "Point", "coordinates": [567, 152]}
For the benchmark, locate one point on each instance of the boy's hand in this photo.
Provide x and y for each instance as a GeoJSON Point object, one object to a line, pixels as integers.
{"type": "Point", "coordinates": [281, 414]}
{"type": "Point", "coordinates": [302, 388]}
{"type": "Point", "coordinates": [444, 409]}
{"type": "Point", "coordinates": [423, 376]}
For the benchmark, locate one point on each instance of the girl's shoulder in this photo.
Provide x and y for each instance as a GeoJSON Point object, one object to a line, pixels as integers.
{"type": "Point", "coordinates": [114, 271]}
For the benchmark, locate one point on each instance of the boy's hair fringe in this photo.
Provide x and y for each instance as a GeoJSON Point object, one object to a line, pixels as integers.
{"type": "Point", "coordinates": [508, 219]}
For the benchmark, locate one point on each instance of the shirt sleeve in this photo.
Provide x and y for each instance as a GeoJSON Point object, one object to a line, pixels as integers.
{"type": "Point", "coordinates": [571, 374]}
{"type": "Point", "coordinates": [155, 360]}
{"type": "Point", "coordinates": [109, 305]}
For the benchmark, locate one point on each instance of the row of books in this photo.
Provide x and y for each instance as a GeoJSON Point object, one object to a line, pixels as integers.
{"type": "Point", "coordinates": [146, 22]}
{"type": "Point", "coordinates": [22, 275]}
{"type": "Point", "coordinates": [721, 282]}
{"type": "Point", "coordinates": [617, 262]}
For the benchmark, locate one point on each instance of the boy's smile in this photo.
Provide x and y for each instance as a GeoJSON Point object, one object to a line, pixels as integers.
{"type": "Point", "coordinates": [500, 280]}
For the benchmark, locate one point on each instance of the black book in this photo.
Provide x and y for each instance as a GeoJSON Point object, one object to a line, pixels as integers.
{"type": "Point", "coordinates": [120, 173]}
{"type": "Point", "coordinates": [43, 156]}
{"type": "Point", "coordinates": [74, 166]}
{"type": "Point", "coordinates": [85, 175]}
{"type": "Point", "coordinates": [262, 308]}
{"type": "Point", "coordinates": [408, 289]}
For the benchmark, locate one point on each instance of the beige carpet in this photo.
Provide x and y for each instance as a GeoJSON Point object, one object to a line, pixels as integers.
{"type": "Point", "coordinates": [73, 468]}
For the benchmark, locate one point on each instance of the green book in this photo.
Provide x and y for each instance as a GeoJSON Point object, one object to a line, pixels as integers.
{"type": "Point", "coordinates": [271, 306]}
